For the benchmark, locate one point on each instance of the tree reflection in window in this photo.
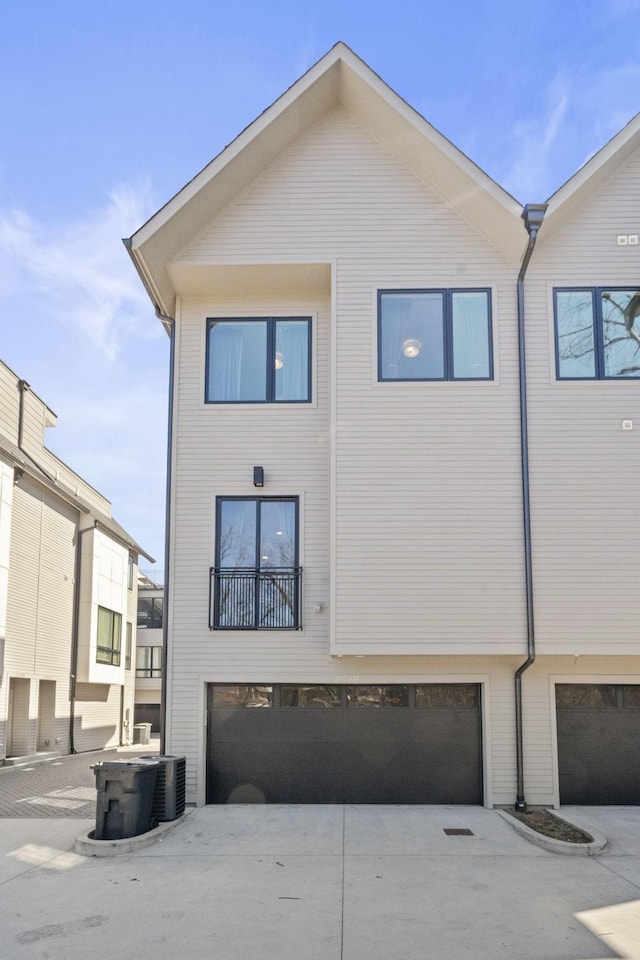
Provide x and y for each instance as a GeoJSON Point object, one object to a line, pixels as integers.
{"type": "Point", "coordinates": [378, 696]}
{"type": "Point", "coordinates": [256, 574]}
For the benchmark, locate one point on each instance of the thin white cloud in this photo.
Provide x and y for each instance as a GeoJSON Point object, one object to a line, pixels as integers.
{"type": "Point", "coordinates": [81, 329]}
{"type": "Point", "coordinates": [621, 8]}
{"type": "Point", "coordinates": [80, 269]}
{"type": "Point", "coordinates": [534, 144]}
{"type": "Point", "coordinates": [583, 109]}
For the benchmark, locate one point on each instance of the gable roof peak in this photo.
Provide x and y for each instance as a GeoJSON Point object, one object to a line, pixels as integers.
{"type": "Point", "coordinates": [339, 78]}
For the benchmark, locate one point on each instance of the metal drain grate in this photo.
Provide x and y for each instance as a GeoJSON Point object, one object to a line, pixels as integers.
{"type": "Point", "coordinates": [458, 832]}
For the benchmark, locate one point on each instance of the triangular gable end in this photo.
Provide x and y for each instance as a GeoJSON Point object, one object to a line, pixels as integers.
{"type": "Point", "coordinates": [340, 77]}
{"type": "Point", "coordinates": [592, 174]}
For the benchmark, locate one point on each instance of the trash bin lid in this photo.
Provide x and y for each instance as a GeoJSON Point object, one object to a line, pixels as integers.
{"type": "Point", "coordinates": [122, 764]}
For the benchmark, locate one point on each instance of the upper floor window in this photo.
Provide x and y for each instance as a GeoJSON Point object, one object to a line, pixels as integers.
{"type": "Point", "coordinates": [148, 662]}
{"type": "Point", "coordinates": [597, 333]}
{"type": "Point", "coordinates": [434, 335]}
{"type": "Point", "coordinates": [255, 583]}
{"type": "Point", "coordinates": [128, 646]}
{"type": "Point", "coordinates": [150, 612]}
{"type": "Point", "coordinates": [109, 637]}
{"type": "Point", "coordinates": [130, 573]}
{"type": "Point", "coordinates": [258, 360]}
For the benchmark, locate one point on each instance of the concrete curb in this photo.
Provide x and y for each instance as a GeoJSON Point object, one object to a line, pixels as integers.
{"type": "Point", "coordinates": [558, 846]}
{"type": "Point", "coordinates": [87, 846]}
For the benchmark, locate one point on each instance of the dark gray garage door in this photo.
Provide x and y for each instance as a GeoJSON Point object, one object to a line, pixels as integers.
{"type": "Point", "coordinates": [344, 744]}
{"type": "Point", "coordinates": [598, 743]}
{"type": "Point", "coordinates": [148, 713]}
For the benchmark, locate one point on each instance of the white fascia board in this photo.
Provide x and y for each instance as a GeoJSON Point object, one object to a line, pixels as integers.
{"type": "Point", "coordinates": [235, 148]}
{"type": "Point", "coordinates": [594, 170]}
{"type": "Point", "coordinates": [340, 76]}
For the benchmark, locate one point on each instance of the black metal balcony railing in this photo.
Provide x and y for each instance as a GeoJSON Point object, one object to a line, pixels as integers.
{"type": "Point", "coordinates": [254, 599]}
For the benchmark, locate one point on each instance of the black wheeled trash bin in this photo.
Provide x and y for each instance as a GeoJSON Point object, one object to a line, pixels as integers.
{"type": "Point", "coordinates": [125, 798]}
{"type": "Point", "coordinates": [170, 788]}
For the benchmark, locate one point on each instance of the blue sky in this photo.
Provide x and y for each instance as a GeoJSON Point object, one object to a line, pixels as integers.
{"type": "Point", "coordinates": [107, 109]}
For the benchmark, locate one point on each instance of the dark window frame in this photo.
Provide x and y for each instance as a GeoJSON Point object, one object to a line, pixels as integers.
{"type": "Point", "coordinates": [111, 655]}
{"type": "Point", "coordinates": [293, 572]}
{"type": "Point", "coordinates": [598, 330]}
{"type": "Point", "coordinates": [154, 669]}
{"type": "Point", "coordinates": [270, 358]}
{"type": "Point", "coordinates": [156, 621]}
{"type": "Point", "coordinates": [447, 294]}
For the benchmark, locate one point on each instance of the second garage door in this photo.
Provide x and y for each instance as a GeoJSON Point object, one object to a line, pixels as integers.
{"type": "Point", "coordinates": [598, 743]}
{"type": "Point", "coordinates": [310, 743]}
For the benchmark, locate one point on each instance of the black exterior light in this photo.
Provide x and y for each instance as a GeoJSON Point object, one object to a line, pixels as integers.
{"type": "Point", "coordinates": [258, 477]}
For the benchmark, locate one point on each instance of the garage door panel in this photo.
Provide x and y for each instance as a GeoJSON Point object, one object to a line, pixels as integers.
{"type": "Point", "coordinates": [598, 744]}
{"type": "Point", "coordinates": [349, 754]}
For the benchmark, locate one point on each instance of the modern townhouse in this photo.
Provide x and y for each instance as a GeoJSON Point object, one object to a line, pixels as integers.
{"type": "Point", "coordinates": [403, 535]}
{"type": "Point", "coordinates": [68, 596]}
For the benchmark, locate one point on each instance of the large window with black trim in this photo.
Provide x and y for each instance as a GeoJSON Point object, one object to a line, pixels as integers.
{"type": "Point", "coordinates": [256, 581]}
{"type": "Point", "coordinates": [597, 332]}
{"type": "Point", "coordinates": [109, 642]}
{"type": "Point", "coordinates": [148, 662]}
{"type": "Point", "coordinates": [149, 612]}
{"type": "Point", "coordinates": [440, 334]}
{"type": "Point", "coordinates": [258, 360]}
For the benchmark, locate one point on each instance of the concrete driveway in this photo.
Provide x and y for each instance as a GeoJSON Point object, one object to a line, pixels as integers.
{"type": "Point", "coordinates": [322, 883]}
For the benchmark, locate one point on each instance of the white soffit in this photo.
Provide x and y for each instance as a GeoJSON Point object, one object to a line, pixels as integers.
{"type": "Point", "coordinates": [339, 77]}
{"type": "Point", "coordinates": [251, 279]}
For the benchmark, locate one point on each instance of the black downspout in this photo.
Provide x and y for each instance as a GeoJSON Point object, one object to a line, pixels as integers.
{"type": "Point", "coordinates": [533, 215]}
{"type": "Point", "coordinates": [170, 326]}
{"type": "Point", "coordinates": [23, 386]}
{"type": "Point", "coordinates": [75, 635]}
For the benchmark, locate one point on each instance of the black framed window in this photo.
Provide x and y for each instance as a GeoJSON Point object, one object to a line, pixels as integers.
{"type": "Point", "coordinates": [109, 637]}
{"type": "Point", "coordinates": [241, 695]}
{"type": "Point", "coordinates": [597, 333]}
{"type": "Point", "coordinates": [310, 695]}
{"type": "Point", "coordinates": [434, 335]}
{"type": "Point", "coordinates": [258, 360]}
{"type": "Point", "coordinates": [378, 696]}
{"type": "Point", "coordinates": [255, 583]}
{"type": "Point", "coordinates": [149, 662]}
{"type": "Point", "coordinates": [150, 611]}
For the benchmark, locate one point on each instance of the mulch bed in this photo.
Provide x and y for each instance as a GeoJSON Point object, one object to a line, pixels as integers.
{"type": "Point", "coordinates": [544, 822]}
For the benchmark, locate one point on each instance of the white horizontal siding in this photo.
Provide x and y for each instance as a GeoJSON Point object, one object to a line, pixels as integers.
{"type": "Point", "coordinates": [584, 468]}
{"type": "Point", "coordinates": [426, 481]}
{"type": "Point", "coordinates": [427, 476]}
{"type": "Point", "coordinates": [8, 404]}
{"type": "Point", "coordinates": [97, 716]}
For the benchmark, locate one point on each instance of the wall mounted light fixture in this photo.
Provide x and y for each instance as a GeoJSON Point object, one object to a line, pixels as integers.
{"type": "Point", "coordinates": [258, 477]}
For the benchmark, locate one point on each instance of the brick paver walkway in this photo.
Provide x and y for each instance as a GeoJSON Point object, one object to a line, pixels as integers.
{"type": "Point", "coordinates": [63, 787]}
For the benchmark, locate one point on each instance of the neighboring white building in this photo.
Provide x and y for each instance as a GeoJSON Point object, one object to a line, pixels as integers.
{"type": "Point", "coordinates": [68, 596]}
{"type": "Point", "coordinates": [150, 620]}
{"type": "Point", "coordinates": [404, 464]}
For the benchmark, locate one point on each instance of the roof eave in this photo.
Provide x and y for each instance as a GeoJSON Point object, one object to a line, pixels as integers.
{"type": "Point", "coordinates": [338, 77]}
{"type": "Point", "coordinates": [596, 169]}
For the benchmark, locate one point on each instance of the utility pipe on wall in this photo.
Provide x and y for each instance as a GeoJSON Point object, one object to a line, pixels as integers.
{"type": "Point", "coordinates": [533, 215]}
{"type": "Point", "coordinates": [23, 387]}
{"type": "Point", "coordinates": [75, 636]}
{"type": "Point", "coordinates": [170, 326]}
